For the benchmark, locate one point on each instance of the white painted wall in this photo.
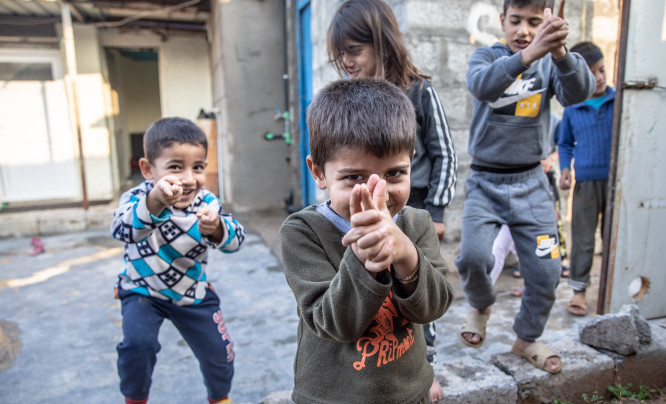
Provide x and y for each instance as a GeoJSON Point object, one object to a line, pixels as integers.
{"type": "Point", "coordinates": [93, 114]}
{"type": "Point", "coordinates": [185, 78]}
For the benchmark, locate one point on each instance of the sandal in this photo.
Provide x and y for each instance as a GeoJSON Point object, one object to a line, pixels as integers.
{"type": "Point", "coordinates": [475, 323]}
{"type": "Point", "coordinates": [578, 305]}
{"type": "Point", "coordinates": [516, 273]}
{"type": "Point", "coordinates": [537, 353]}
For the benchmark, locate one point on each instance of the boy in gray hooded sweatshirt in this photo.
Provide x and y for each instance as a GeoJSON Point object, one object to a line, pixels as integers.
{"type": "Point", "coordinates": [512, 83]}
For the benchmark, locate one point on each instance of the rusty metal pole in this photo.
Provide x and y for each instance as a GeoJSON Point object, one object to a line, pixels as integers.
{"type": "Point", "coordinates": [609, 241]}
{"type": "Point", "coordinates": [70, 82]}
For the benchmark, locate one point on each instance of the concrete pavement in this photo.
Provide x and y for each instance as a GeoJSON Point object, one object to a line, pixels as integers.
{"type": "Point", "coordinates": [61, 303]}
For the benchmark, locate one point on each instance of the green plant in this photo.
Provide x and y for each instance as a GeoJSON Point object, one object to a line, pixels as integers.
{"type": "Point", "coordinates": [595, 398]}
{"type": "Point", "coordinates": [620, 392]}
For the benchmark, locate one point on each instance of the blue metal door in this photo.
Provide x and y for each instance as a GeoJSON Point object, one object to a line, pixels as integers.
{"type": "Point", "coordinates": [305, 96]}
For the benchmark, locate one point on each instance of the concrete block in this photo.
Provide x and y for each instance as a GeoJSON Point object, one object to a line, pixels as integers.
{"type": "Point", "coordinates": [584, 371]}
{"type": "Point", "coordinates": [278, 397]}
{"type": "Point", "coordinates": [622, 332]}
{"type": "Point", "coordinates": [68, 221]}
{"type": "Point", "coordinates": [475, 381]}
{"type": "Point", "coordinates": [15, 226]}
{"type": "Point", "coordinates": [648, 366]}
{"type": "Point", "coordinates": [99, 220]}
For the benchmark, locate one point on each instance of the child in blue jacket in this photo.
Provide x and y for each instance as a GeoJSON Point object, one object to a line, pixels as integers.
{"type": "Point", "coordinates": [585, 135]}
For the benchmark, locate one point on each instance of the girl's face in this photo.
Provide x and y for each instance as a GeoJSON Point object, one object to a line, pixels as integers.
{"type": "Point", "coordinates": [359, 60]}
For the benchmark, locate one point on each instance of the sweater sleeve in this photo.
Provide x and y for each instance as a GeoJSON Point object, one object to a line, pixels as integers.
{"type": "Point", "coordinates": [572, 79]}
{"type": "Point", "coordinates": [336, 303]}
{"type": "Point", "coordinates": [442, 155]}
{"type": "Point", "coordinates": [565, 140]}
{"type": "Point", "coordinates": [488, 76]}
{"type": "Point", "coordinates": [233, 233]}
{"type": "Point", "coordinates": [132, 221]}
{"type": "Point", "coordinates": [433, 294]}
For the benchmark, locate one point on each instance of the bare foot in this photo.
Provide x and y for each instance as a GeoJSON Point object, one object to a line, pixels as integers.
{"type": "Point", "coordinates": [553, 363]}
{"type": "Point", "coordinates": [436, 391]}
{"type": "Point", "coordinates": [471, 337]}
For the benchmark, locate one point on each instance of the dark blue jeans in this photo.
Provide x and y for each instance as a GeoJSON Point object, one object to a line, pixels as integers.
{"type": "Point", "coordinates": [201, 325]}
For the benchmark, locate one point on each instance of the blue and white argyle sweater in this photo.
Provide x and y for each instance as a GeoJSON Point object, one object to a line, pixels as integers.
{"type": "Point", "coordinates": [166, 256]}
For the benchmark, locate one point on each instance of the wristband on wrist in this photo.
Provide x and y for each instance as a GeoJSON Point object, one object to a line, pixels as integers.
{"type": "Point", "coordinates": [410, 279]}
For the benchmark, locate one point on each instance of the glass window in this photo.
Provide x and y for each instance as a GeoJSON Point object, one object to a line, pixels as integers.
{"type": "Point", "coordinates": [14, 71]}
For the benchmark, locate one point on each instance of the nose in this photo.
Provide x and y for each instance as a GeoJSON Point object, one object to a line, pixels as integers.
{"type": "Point", "coordinates": [347, 61]}
{"type": "Point", "coordinates": [187, 176]}
{"type": "Point", "coordinates": [522, 28]}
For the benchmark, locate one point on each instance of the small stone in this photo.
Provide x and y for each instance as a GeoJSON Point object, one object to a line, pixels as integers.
{"type": "Point", "coordinates": [623, 332]}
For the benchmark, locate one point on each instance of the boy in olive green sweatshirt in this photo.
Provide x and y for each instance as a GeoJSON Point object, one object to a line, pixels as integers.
{"type": "Point", "coordinates": [365, 269]}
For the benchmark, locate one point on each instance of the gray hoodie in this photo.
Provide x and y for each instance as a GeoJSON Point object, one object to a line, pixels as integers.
{"type": "Point", "coordinates": [512, 103]}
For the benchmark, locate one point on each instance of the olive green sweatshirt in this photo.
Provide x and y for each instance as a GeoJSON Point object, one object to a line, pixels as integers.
{"type": "Point", "coordinates": [359, 338]}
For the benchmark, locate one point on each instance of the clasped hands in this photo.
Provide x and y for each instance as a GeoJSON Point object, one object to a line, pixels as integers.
{"type": "Point", "coordinates": [550, 38]}
{"type": "Point", "coordinates": [375, 238]}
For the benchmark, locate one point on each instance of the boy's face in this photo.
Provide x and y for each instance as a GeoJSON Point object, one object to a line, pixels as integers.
{"type": "Point", "coordinates": [185, 161]}
{"type": "Point", "coordinates": [353, 166]}
{"type": "Point", "coordinates": [520, 26]}
{"type": "Point", "coordinates": [599, 73]}
{"type": "Point", "coordinates": [359, 59]}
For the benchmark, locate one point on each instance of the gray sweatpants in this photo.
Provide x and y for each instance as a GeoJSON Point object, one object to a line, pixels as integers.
{"type": "Point", "coordinates": [524, 202]}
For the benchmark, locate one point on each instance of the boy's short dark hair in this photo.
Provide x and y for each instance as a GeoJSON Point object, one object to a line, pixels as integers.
{"type": "Point", "coordinates": [542, 4]}
{"type": "Point", "coordinates": [167, 131]}
{"type": "Point", "coordinates": [369, 113]}
{"type": "Point", "coordinates": [589, 51]}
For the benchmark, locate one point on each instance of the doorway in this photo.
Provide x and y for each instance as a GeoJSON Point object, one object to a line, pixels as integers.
{"type": "Point", "coordinates": [134, 78]}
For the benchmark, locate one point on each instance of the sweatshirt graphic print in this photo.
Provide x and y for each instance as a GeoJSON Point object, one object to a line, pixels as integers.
{"type": "Point", "coordinates": [522, 98]}
{"type": "Point", "coordinates": [383, 339]}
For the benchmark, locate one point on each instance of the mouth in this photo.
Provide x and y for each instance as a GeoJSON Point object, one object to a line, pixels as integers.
{"type": "Point", "coordinates": [521, 43]}
{"type": "Point", "coordinates": [187, 194]}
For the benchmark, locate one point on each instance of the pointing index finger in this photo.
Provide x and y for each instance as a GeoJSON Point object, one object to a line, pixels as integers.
{"type": "Point", "coordinates": [560, 11]}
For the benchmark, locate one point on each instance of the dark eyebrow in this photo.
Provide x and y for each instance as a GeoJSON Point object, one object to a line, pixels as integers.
{"type": "Point", "coordinates": [350, 171]}
{"type": "Point", "coordinates": [521, 17]}
{"type": "Point", "coordinates": [400, 167]}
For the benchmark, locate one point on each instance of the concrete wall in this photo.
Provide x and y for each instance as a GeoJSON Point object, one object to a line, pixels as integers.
{"type": "Point", "coordinates": [185, 79]}
{"type": "Point", "coordinates": [441, 36]}
{"type": "Point", "coordinates": [247, 64]}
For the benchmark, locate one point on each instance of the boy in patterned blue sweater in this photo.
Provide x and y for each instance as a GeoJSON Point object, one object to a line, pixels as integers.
{"type": "Point", "coordinates": [585, 135]}
{"type": "Point", "coordinates": [167, 223]}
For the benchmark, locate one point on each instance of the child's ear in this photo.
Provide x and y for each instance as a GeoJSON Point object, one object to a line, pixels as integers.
{"type": "Point", "coordinates": [317, 173]}
{"type": "Point", "coordinates": [146, 168]}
